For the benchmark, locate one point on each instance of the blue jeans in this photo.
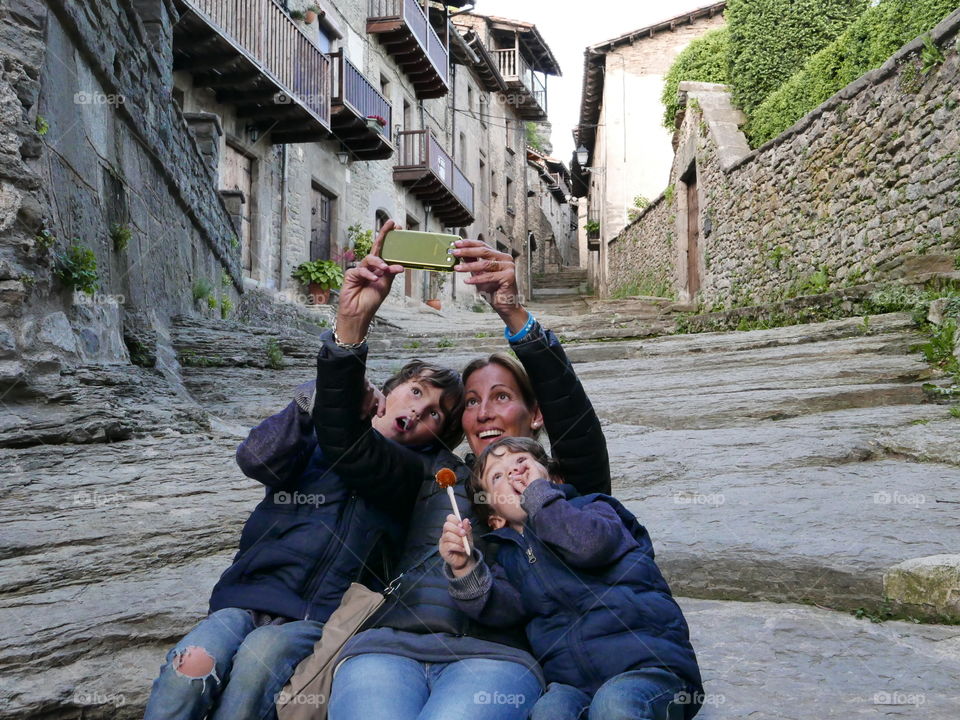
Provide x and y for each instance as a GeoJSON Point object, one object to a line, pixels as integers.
{"type": "Point", "coordinates": [250, 667]}
{"type": "Point", "coordinates": [647, 694]}
{"type": "Point", "coordinates": [391, 686]}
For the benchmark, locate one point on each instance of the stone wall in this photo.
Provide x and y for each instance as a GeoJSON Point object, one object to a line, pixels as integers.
{"type": "Point", "coordinates": [642, 256]}
{"type": "Point", "coordinates": [101, 146]}
{"type": "Point", "coordinates": [869, 177]}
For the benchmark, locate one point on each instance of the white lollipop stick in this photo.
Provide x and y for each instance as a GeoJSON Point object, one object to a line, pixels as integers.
{"type": "Point", "coordinates": [456, 511]}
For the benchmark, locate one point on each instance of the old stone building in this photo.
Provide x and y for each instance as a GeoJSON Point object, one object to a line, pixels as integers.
{"type": "Point", "coordinates": [449, 156]}
{"type": "Point", "coordinates": [182, 151]}
{"type": "Point", "coordinates": [860, 189]}
{"type": "Point", "coordinates": [553, 219]}
{"type": "Point", "coordinates": [628, 151]}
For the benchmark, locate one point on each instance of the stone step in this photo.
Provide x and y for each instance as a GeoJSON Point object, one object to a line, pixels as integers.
{"type": "Point", "coordinates": [815, 663]}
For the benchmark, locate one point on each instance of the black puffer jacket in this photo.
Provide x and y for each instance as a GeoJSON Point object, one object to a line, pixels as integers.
{"type": "Point", "coordinates": [422, 602]}
{"type": "Point", "coordinates": [576, 438]}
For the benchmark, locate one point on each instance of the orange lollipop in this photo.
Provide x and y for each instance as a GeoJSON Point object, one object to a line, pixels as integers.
{"type": "Point", "coordinates": [447, 478]}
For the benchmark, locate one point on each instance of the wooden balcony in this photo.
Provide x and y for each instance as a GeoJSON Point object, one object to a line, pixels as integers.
{"type": "Point", "coordinates": [432, 176]}
{"type": "Point", "coordinates": [526, 87]}
{"type": "Point", "coordinates": [555, 186]}
{"type": "Point", "coordinates": [259, 60]}
{"type": "Point", "coordinates": [405, 31]}
{"type": "Point", "coordinates": [354, 101]}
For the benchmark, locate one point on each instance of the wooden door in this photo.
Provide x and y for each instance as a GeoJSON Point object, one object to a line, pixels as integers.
{"type": "Point", "coordinates": [321, 225]}
{"type": "Point", "coordinates": [693, 238]}
{"type": "Point", "coordinates": [237, 174]}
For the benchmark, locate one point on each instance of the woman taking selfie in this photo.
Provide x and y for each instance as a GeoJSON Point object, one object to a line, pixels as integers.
{"type": "Point", "coordinates": [421, 657]}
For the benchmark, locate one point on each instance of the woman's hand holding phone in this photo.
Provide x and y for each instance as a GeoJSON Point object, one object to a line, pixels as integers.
{"type": "Point", "coordinates": [365, 287]}
{"type": "Point", "coordinates": [494, 274]}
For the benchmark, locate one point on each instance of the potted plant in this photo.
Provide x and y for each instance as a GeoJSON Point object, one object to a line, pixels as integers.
{"type": "Point", "coordinates": [360, 240]}
{"type": "Point", "coordinates": [593, 228]}
{"type": "Point", "coordinates": [376, 122]}
{"type": "Point", "coordinates": [310, 14]}
{"type": "Point", "coordinates": [438, 282]}
{"type": "Point", "coordinates": [320, 277]}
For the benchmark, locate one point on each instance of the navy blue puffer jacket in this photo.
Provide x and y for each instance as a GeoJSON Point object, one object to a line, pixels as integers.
{"type": "Point", "coordinates": [583, 577]}
{"type": "Point", "coordinates": [314, 532]}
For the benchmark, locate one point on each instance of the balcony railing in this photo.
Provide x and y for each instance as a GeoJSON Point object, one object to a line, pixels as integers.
{"type": "Point", "coordinates": [435, 177]}
{"type": "Point", "coordinates": [407, 33]}
{"type": "Point", "coordinates": [517, 72]}
{"type": "Point", "coordinates": [352, 90]}
{"type": "Point", "coordinates": [355, 102]}
{"type": "Point", "coordinates": [259, 58]}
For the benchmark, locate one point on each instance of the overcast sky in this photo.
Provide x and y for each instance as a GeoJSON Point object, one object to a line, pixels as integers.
{"type": "Point", "coordinates": [569, 26]}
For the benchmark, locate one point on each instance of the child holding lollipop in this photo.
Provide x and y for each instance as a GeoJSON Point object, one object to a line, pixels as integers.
{"type": "Point", "coordinates": [579, 571]}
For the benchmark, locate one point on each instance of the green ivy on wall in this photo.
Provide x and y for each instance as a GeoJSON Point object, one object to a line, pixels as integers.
{"type": "Point", "coordinates": [703, 60]}
{"type": "Point", "coordinates": [771, 39]}
{"type": "Point", "coordinates": [865, 45]}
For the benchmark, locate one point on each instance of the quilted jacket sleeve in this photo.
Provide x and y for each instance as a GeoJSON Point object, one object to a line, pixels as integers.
{"type": "Point", "coordinates": [576, 438]}
{"type": "Point", "coordinates": [384, 472]}
{"type": "Point", "coordinates": [277, 450]}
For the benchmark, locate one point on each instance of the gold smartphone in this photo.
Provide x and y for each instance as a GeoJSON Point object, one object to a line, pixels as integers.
{"type": "Point", "coordinates": [421, 250]}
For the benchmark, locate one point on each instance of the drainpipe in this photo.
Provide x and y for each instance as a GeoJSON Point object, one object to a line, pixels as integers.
{"type": "Point", "coordinates": [283, 215]}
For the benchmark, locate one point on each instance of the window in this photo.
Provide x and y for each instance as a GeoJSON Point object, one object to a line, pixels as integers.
{"type": "Point", "coordinates": [483, 180]}
{"type": "Point", "coordinates": [509, 126]}
{"type": "Point", "coordinates": [385, 86]}
{"type": "Point", "coordinates": [483, 110]}
{"type": "Point", "coordinates": [463, 150]}
{"type": "Point", "coordinates": [380, 219]}
{"type": "Point", "coordinates": [509, 198]}
{"type": "Point", "coordinates": [493, 183]}
{"type": "Point", "coordinates": [407, 116]}
{"type": "Point", "coordinates": [470, 99]}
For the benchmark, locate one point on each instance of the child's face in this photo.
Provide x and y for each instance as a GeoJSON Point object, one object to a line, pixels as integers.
{"type": "Point", "coordinates": [505, 477]}
{"type": "Point", "coordinates": [414, 415]}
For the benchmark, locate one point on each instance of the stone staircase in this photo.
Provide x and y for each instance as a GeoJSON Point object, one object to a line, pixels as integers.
{"type": "Point", "coordinates": [560, 290]}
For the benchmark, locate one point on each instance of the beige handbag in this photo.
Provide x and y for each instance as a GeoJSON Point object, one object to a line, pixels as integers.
{"type": "Point", "coordinates": [305, 695]}
{"type": "Point", "coordinates": [307, 692]}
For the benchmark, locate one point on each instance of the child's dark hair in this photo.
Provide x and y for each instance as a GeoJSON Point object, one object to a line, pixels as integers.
{"type": "Point", "coordinates": [451, 395]}
{"type": "Point", "coordinates": [503, 445]}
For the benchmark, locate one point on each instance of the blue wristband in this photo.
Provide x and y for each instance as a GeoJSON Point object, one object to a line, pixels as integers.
{"type": "Point", "coordinates": [522, 332]}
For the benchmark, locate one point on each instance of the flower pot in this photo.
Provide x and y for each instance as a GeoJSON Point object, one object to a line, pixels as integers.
{"type": "Point", "coordinates": [434, 303]}
{"type": "Point", "coordinates": [319, 295]}
{"type": "Point", "coordinates": [309, 17]}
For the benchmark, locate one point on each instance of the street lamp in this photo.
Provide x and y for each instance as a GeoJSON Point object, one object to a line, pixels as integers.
{"type": "Point", "coordinates": [583, 156]}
